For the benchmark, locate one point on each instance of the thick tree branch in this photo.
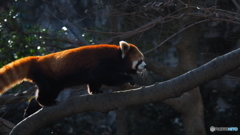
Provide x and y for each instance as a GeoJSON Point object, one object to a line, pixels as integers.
{"type": "Point", "coordinates": [191, 101]}
{"type": "Point", "coordinates": [111, 101]}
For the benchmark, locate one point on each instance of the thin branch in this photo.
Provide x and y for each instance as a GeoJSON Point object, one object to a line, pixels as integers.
{"type": "Point", "coordinates": [19, 97]}
{"type": "Point", "coordinates": [189, 26]}
{"type": "Point", "coordinates": [236, 5]}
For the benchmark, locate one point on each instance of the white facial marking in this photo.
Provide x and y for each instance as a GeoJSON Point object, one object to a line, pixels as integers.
{"type": "Point", "coordinates": [134, 64]}
{"type": "Point", "coordinates": [141, 67]}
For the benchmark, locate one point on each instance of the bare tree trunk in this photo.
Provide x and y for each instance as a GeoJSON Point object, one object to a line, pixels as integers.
{"type": "Point", "coordinates": [190, 103]}
{"type": "Point", "coordinates": [192, 107]}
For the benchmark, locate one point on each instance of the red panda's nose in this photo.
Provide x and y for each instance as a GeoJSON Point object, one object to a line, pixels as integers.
{"type": "Point", "coordinates": [144, 64]}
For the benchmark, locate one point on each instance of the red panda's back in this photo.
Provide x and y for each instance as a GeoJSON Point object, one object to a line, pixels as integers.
{"type": "Point", "coordinates": [73, 60]}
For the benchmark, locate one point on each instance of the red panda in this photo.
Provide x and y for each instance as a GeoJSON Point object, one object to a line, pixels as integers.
{"type": "Point", "coordinates": [93, 65]}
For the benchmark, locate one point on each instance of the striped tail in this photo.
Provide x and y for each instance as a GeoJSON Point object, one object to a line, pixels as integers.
{"type": "Point", "coordinates": [14, 73]}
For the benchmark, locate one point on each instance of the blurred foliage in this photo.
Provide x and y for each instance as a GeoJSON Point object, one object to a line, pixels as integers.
{"type": "Point", "coordinates": [18, 39]}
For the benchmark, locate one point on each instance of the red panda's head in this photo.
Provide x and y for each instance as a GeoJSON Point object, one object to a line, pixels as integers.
{"type": "Point", "coordinates": [133, 57]}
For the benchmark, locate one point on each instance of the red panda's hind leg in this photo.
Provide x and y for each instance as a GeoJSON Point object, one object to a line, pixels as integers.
{"type": "Point", "coordinates": [46, 96]}
{"type": "Point", "coordinates": [32, 107]}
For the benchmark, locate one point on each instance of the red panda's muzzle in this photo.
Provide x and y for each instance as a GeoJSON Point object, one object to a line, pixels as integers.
{"type": "Point", "coordinates": [140, 67]}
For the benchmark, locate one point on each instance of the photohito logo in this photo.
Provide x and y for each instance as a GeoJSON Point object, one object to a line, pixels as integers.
{"type": "Point", "coordinates": [212, 128]}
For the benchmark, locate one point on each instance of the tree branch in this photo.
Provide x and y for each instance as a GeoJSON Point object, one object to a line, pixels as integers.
{"type": "Point", "coordinates": [160, 69]}
{"type": "Point", "coordinates": [236, 5]}
{"type": "Point", "coordinates": [111, 101]}
{"type": "Point", "coordinates": [16, 98]}
{"type": "Point", "coordinates": [5, 126]}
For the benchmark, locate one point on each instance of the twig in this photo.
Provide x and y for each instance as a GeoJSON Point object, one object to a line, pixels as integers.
{"type": "Point", "coordinates": [236, 4]}
{"type": "Point", "coordinates": [176, 34]}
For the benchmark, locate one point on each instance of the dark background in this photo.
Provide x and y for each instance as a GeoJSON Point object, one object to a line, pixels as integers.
{"type": "Point", "coordinates": [39, 27]}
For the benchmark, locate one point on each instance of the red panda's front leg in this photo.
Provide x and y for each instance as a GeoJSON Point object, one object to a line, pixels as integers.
{"type": "Point", "coordinates": [116, 79]}
{"type": "Point", "coordinates": [94, 88]}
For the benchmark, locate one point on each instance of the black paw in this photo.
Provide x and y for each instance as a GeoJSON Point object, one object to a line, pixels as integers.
{"type": "Point", "coordinates": [97, 92]}
{"type": "Point", "coordinates": [49, 103]}
{"type": "Point", "coordinates": [131, 81]}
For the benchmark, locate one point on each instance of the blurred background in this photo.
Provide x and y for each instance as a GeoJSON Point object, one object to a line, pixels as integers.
{"type": "Point", "coordinates": [168, 32]}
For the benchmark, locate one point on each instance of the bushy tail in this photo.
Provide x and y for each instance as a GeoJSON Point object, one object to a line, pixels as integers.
{"type": "Point", "coordinates": [15, 72]}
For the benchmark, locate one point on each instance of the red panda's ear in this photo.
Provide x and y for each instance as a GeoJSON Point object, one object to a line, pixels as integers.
{"type": "Point", "coordinates": [124, 47]}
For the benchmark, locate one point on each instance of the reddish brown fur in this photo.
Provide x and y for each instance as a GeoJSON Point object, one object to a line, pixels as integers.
{"type": "Point", "coordinates": [14, 73]}
{"type": "Point", "coordinates": [63, 62]}
{"type": "Point", "coordinates": [54, 64]}
{"type": "Point", "coordinates": [135, 52]}
{"type": "Point", "coordinates": [93, 65]}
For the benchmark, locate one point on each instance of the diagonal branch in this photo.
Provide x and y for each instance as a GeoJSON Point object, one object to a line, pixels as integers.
{"type": "Point", "coordinates": [160, 69]}
{"type": "Point", "coordinates": [19, 97]}
{"type": "Point", "coordinates": [236, 4]}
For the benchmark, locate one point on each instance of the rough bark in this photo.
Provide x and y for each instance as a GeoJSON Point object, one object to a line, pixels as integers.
{"type": "Point", "coordinates": [192, 107]}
